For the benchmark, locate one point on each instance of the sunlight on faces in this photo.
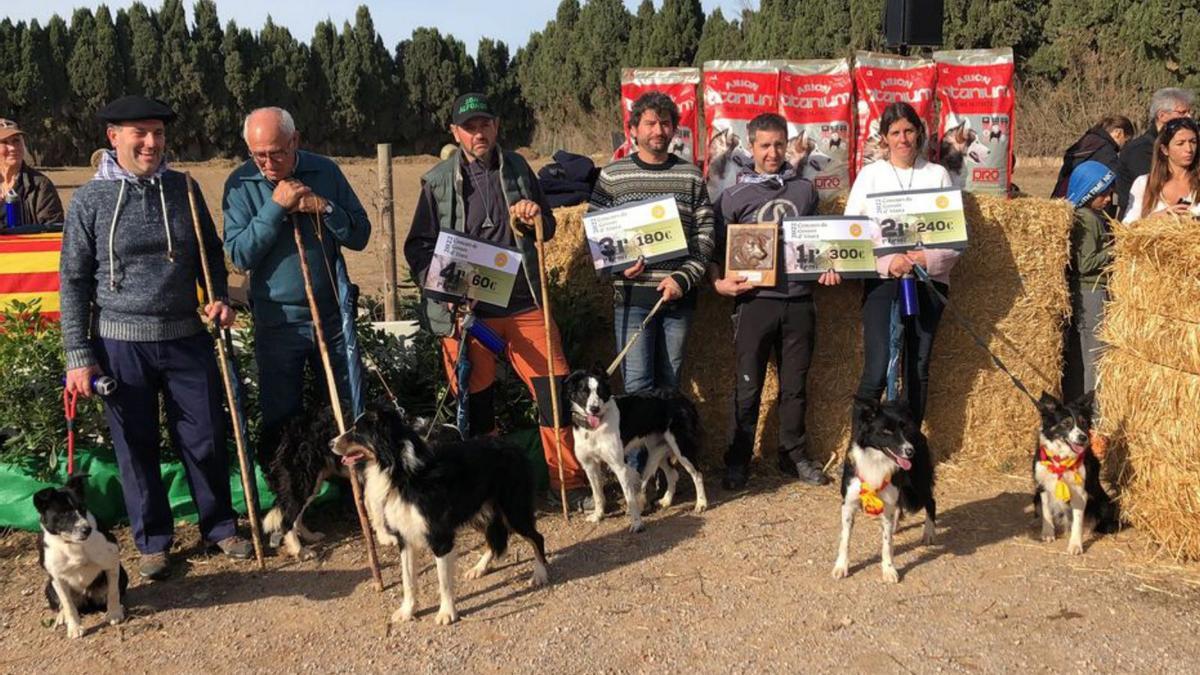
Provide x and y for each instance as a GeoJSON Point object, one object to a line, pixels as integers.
{"type": "Point", "coordinates": [901, 142]}
{"type": "Point", "coordinates": [12, 153]}
{"type": "Point", "coordinates": [272, 149]}
{"type": "Point", "coordinates": [140, 145]}
{"type": "Point", "coordinates": [477, 136]}
{"type": "Point", "coordinates": [1179, 110]}
{"type": "Point", "coordinates": [1181, 151]}
{"type": "Point", "coordinates": [769, 149]}
{"type": "Point", "coordinates": [654, 133]}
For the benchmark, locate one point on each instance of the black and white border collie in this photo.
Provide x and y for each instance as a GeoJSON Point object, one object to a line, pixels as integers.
{"type": "Point", "coordinates": [296, 461]}
{"type": "Point", "coordinates": [888, 471]}
{"type": "Point", "coordinates": [82, 561]}
{"type": "Point", "coordinates": [1064, 465]}
{"type": "Point", "coordinates": [419, 497]}
{"type": "Point", "coordinates": [607, 428]}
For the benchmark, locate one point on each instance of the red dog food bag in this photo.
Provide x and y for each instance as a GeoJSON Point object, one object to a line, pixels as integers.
{"type": "Point", "coordinates": [883, 79]}
{"type": "Point", "coordinates": [815, 99]}
{"type": "Point", "coordinates": [975, 122]}
{"type": "Point", "coordinates": [680, 85]}
{"type": "Point", "coordinates": [735, 92]}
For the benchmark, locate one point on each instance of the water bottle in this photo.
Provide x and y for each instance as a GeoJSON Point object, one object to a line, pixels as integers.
{"type": "Point", "coordinates": [101, 384]}
{"type": "Point", "coordinates": [487, 337]}
{"type": "Point", "coordinates": [908, 296]}
{"type": "Point", "coordinates": [12, 209]}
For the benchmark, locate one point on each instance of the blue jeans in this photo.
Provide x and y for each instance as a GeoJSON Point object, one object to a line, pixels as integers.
{"type": "Point", "coordinates": [281, 352]}
{"type": "Point", "coordinates": [657, 357]}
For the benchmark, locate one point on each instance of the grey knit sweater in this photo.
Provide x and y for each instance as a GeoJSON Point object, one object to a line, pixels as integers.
{"type": "Point", "coordinates": [125, 275]}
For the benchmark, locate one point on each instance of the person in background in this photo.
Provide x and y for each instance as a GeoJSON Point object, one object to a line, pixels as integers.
{"type": "Point", "coordinates": [1090, 191]}
{"type": "Point", "coordinates": [1135, 158]}
{"type": "Point", "coordinates": [34, 192]}
{"type": "Point", "coordinates": [904, 168]}
{"type": "Point", "coordinates": [1173, 183]}
{"type": "Point", "coordinates": [1102, 143]}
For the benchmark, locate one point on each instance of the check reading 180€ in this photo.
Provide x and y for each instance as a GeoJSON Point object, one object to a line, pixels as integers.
{"type": "Point", "coordinates": [465, 268]}
{"type": "Point", "coordinates": [918, 219]}
{"type": "Point", "coordinates": [648, 229]}
{"type": "Point", "coordinates": [818, 244]}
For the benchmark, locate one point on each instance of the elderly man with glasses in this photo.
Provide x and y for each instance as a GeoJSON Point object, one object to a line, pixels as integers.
{"type": "Point", "coordinates": [1165, 105]}
{"type": "Point", "coordinates": [278, 189]}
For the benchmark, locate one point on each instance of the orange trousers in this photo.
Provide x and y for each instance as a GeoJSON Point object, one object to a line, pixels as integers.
{"type": "Point", "coordinates": [525, 335]}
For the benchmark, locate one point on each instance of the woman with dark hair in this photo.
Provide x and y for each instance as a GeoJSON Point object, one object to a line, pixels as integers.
{"type": "Point", "coordinates": [32, 191]}
{"type": "Point", "coordinates": [1173, 183]}
{"type": "Point", "coordinates": [903, 168]}
{"type": "Point", "coordinates": [1102, 143]}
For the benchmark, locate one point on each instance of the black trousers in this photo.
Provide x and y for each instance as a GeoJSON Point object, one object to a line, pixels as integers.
{"type": "Point", "coordinates": [787, 328]}
{"type": "Point", "coordinates": [919, 331]}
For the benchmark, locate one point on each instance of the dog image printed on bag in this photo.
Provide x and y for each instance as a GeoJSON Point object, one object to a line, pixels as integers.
{"type": "Point", "coordinates": [735, 92]}
{"type": "Point", "coordinates": [975, 120]}
{"type": "Point", "coordinates": [815, 100]}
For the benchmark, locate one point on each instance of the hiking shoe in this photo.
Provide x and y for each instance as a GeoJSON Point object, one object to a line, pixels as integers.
{"type": "Point", "coordinates": [736, 477]}
{"type": "Point", "coordinates": [808, 472]}
{"type": "Point", "coordinates": [579, 499]}
{"type": "Point", "coordinates": [154, 566]}
{"type": "Point", "coordinates": [236, 547]}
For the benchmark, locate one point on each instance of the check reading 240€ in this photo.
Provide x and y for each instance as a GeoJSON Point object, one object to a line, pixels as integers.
{"type": "Point", "coordinates": [465, 268]}
{"type": "Point", "coordinates": [918, 219]}
{"type": "Point", "coordinates": [815, 245]}
{"type": "Point", "coordinates": [649, 229]}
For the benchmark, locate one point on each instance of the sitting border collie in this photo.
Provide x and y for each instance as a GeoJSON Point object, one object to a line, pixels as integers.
{"type": "Point", "coordinates": [887, 471]}
{"type": "Point", "coordinates": [1066, 473]}
{"type": "Point", "coordinates": [296, 461]}
{"type": "Point", "coordinates": [81, 560]}
{"type": "Point", "coordinates": [419, 497]}
{"type": "Point", "coordinates": [607, 428]}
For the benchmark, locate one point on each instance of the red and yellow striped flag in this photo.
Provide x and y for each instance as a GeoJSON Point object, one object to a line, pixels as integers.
{"type": "Point", "coordinates": [29, 270]}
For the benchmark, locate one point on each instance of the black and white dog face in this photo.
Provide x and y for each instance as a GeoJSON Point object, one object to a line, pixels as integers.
{"type": "Point", "coordinates": [884, 427]}
{"type": "Point", "coordinates": [589, 393]}
{"type": "Point", "coordinates": [1066, 428]}
{"type": "Point", "coordinates": [62, 511]}
{"type": "Point", "coordinates": [381, 435]}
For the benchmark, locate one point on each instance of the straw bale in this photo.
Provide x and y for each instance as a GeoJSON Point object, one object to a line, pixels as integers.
{"type": "Point", "coordinates": [1150, 380]}
{"type": "Point", "coordinates": [1009, 284]}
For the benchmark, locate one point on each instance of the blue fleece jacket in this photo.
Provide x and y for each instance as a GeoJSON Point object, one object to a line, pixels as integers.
{"type": "Point", "coordinates": [259, 238]}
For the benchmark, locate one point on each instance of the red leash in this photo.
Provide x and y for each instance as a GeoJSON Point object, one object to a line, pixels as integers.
{"type": "Point", "coordinates": [69, 400]}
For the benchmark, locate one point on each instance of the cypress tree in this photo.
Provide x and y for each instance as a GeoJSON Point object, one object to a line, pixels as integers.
{"type": "Point", "coordinates": [719, 40]}
{"type": "Point", "coordinates": [217, 132]}
{"type": "Point", "coordinates": [676, 33]}
{"type": "Point", "coordinates": [145, 52]}
{"type": "Point", "coordinates": [597, 43]}
{"type": "Point", "coordinates": [638, 53]}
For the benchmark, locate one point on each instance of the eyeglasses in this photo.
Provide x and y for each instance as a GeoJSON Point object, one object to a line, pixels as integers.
{"type": "Point", "coordinates": [275, 156]}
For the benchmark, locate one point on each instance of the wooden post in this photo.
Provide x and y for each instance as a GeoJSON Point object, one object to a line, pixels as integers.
{"type": "Point", "coordinates": [387, 219]}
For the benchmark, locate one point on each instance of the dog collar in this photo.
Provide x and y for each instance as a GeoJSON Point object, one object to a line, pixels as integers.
{"type": "Point", "coordinates": [872, 505]}
{"type": "Point", "coordinates": [1061, 467]}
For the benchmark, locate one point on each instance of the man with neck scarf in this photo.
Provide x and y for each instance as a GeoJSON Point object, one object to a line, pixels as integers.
{"type": "Point", "coordinates": [129, 270]}
{"type": "Point", "coordinates": [780, 318]}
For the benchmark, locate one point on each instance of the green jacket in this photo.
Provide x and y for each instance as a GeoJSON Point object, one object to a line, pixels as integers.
{"type": "Point", "coordinates": [259, 238]}
{"type": "Point", "coordinates": [1091, 244]}
{"type": "Point", "coordinates": [445, 183]}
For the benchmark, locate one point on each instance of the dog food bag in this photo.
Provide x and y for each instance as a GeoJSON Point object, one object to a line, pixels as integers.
{"type": "Point", "coordinates": [815, 99]}
{"type": "Point", "coordinates": [680, 85]}
{"type": "Point", "coordinates": [735, 92]}
{"type": "Point", "coordinates": [883, 79]}
{"type": "Point", "coordinates": [975, 122]}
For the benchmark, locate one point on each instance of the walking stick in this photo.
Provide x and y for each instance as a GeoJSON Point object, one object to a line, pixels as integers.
{"type": "Point", "coordinates": [541, 252]}
{"type": "Point", "coordinates": [335, 401]}
{"type": "Point", "coordinates": [219, 333]}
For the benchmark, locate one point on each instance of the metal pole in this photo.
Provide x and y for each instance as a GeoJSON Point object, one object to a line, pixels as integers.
{"type": "Point", "coordinates": [387, 218]}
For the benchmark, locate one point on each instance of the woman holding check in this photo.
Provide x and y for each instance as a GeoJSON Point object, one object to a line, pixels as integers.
{"type": "Point", "coordinates": [903, 169]}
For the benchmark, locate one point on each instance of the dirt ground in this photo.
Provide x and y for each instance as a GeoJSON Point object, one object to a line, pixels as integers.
{"type": "Point", "coordinates": [743, 587]}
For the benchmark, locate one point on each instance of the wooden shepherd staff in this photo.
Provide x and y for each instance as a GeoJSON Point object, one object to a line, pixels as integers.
{"type": "Point", "coordinates": [335, 401]}
{"type": "Point", "coordinates": [541, 251]}
{"type": "Point", "coordinates": [235, 412]}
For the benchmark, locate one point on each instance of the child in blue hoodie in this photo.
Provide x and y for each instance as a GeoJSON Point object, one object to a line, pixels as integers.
{"type": "Point", "coordinates": [1090, 190]}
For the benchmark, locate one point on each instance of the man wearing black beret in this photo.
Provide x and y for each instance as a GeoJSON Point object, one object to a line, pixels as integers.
{"type": "Point", "coordinates": [129, 268]}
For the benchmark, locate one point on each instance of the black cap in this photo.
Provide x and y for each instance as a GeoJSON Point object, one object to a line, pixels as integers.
{"type": "Point", "coordinates": [471, 105]}
{"type": "Point", "coordinates": [135, 107]}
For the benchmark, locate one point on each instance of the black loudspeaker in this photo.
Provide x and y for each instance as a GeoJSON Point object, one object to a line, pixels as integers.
{"type": "Point", "coordinates": [913, 23]}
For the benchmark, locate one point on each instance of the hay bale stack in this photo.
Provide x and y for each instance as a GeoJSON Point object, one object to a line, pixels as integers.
{"type": "Point", "coordinates": [1010, 282]}
{"type": "Point", "coordinates": [1150, 379]}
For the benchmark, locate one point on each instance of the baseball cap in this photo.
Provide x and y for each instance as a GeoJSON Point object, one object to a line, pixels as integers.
{"type": "Point", "coordinates": [8, 129]}
{"type": "Point", "coordinates": [471, 105]}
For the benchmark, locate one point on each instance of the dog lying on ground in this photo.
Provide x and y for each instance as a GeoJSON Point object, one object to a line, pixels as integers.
{"type": "Point", "coordinates": [607, 428]}
{"type": "Point", "coordinates": [82, 561]}
{"type": "Point", "coordinates": [1066, 473]}
{"type": "Point", "coordinates": [887, 471]}
{"type": "Point", "coordinates": [419, 497]}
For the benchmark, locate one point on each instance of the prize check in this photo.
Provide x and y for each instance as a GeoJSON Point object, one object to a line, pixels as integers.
{"type": "Point", "coordinates": [818, 244]}
{"type": "Point", "coordinates": [918, 219]}
{"type": "Point", "coordinates": [467, 268]}
{"type": "Point", "coordinates": [650, 229]}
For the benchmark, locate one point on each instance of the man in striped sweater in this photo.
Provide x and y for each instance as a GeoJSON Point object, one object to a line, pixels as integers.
{"type": "Point", "coordinates": [653, 172]}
